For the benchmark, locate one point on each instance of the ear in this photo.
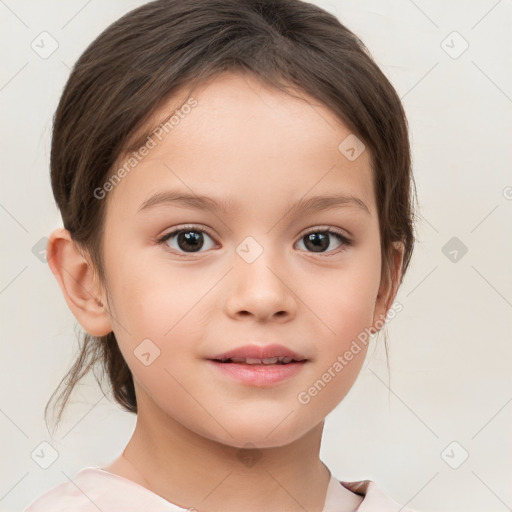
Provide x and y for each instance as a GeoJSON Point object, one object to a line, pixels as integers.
{"type": "Point", "coordinates": [388, 288]}
{"type": "Point", "coordinates": [77, 280]}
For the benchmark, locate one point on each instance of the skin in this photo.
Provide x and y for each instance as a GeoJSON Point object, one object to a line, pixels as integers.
{"type": "Point", "coordinates": [264, 150]}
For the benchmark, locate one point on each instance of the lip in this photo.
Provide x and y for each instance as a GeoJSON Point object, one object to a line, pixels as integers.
{"type": "Point", "coordinates": [259, 375]}
{"type": "Point", "coordinates": [259, 352]}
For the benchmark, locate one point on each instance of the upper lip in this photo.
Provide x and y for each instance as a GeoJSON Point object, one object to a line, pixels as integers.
{"type": "Point", "coordinates": [259, 352]}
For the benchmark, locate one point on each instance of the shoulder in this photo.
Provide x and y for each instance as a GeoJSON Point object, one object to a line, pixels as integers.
{"type": "Point", "coordinates": [375, 499]}
{"type": "Point", "coordinates": [93, 489]}
{"type": "Point", "coordinates": [65, 496]}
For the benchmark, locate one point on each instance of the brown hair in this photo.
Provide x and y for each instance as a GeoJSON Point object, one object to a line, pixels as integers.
{"type": "Point", "coordinates": [153, 51]}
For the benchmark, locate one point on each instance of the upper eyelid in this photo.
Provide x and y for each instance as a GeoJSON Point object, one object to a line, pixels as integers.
{"type": "Point", "coordinates": [325, 228]}
{"type": "Point", "coordinates": [189, 228]}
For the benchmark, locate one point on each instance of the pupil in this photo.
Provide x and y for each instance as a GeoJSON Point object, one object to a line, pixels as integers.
{"type": "Point", "coordinates": [192, 238]}
{"type": "Point", "coordinates": [319, 241]}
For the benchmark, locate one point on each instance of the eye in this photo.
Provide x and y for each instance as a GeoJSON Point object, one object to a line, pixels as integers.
{"type": "Point", "coordinates": [319, 240]}
{"type": "Point", "coordinates": [191, 239]}
{"type": "Point", "coordinates": [188, 239]}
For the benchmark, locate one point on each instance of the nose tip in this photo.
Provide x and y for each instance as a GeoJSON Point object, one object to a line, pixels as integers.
{"type": "Point", "coordinates": [259, 291]}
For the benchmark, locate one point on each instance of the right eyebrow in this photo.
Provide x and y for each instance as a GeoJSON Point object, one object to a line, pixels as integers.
{"type": "Point", "coordinates": [187, 200]}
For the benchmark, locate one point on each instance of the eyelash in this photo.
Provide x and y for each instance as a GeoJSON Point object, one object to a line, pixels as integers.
{"type": "Point", "coordinates": [319, 229]}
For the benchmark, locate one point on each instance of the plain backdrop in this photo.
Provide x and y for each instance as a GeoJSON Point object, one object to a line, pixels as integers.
{"type": "Point", "coordinates": [438, 439]}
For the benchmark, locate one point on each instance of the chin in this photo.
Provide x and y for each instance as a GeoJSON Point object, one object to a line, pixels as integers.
{"type": "Point", "coordinates": [260, 430]}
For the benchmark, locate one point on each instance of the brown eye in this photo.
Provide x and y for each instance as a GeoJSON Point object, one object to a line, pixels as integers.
{"type": "Point", "coordinates": [320, 240]}
{"type": "Point", "coordinates": [187, 240]}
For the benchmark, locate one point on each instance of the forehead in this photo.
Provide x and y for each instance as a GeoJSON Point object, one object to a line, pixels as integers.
{"type": "Point", "coordinates": [245, 136]}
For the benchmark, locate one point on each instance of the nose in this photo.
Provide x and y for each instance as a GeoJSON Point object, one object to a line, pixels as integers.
{"type": "Point", "coordinates": [260, 290]}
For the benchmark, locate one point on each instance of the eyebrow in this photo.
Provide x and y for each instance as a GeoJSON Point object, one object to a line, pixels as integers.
{"type": "Point", "coordinates": [302, 207]}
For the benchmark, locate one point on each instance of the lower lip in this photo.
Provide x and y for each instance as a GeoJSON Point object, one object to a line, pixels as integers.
{"type": "Point", "coordinates": [258, 374]}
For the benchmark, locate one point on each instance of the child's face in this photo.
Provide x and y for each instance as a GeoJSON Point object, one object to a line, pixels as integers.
{"type": "Point", "coordinates": [262, 151]}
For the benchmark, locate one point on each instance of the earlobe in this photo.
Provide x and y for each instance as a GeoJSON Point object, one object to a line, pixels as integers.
{"type": "Point", "coordinates": [76, 278]}
{"type": "Point", "coordinates": [389, 288]}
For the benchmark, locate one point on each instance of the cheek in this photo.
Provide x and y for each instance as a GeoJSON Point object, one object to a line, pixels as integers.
{"type": "Point", "coordinates": [152, 299]}
{"type": "Point", "coordinates": [344, 301]}
{"type": "Point", "coordinates": [161, 320]}
{"type": "Point", "coordinates": [158, 309]}
{"type": "Point", "coordinates": [345, 306]}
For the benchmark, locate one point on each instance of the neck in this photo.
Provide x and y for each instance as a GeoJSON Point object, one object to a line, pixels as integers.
{"type": "Point", "coordinates": [192, 471]}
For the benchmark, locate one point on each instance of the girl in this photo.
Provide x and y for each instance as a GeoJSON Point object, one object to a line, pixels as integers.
{"type": "Point", "coordinates": [235, 186]}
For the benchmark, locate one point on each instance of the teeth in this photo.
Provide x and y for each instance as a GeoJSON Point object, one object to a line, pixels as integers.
{"type": "Point", "coordinates": [254, 360]}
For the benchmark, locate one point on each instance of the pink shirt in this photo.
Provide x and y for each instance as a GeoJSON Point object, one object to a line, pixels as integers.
{"type": "Point", "coordinates": [93, 489]}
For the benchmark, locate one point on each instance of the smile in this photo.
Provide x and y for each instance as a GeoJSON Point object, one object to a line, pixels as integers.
{"type": "Point", "coordinates": [258, 365]}
{"type": "Point", "coordinates": [255, 360]}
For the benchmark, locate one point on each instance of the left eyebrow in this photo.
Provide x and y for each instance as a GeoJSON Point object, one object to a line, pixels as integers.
{"type": "Point", "coordinates": [302, 207]}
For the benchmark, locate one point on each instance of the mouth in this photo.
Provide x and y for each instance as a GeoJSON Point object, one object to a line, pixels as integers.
{"type": "Point", "coordinates": [254, 360]}
{"type": "Point", "coordinates": [259, 366]}
{"type": "Point", "coordinates": [259, 354]}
